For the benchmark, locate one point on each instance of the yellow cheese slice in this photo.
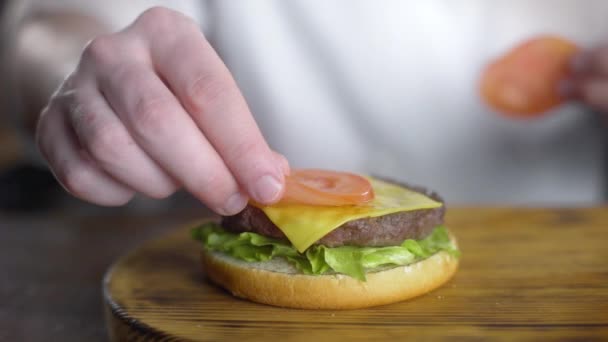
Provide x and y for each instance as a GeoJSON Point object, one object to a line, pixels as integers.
{"type": "Point", "coordinates": [305, 224]}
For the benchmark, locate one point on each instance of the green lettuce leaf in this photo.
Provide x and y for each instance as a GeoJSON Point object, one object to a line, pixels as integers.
{"type": "Point", "coordinates": [350, 260]}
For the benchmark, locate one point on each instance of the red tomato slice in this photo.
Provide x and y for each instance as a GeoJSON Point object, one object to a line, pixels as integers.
{"type": "Point", "coordinates": [323, 187]}
{"type": "Point", "coordinates": [524, 82]}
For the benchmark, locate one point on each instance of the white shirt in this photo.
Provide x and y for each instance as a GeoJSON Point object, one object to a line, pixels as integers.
{"type": "Point", "coordinates": [390, 88]}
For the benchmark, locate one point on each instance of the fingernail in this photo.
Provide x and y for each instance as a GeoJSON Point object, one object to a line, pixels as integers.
{"type": "Point", "coordinates": [235, 203]}
{"type": "Point", "coordinates": [267, 189]}
{"type": "Point", "coordinates": [579, 63]}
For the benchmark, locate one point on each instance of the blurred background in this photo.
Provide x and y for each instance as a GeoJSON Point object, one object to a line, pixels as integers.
{"type": "Point", "coordinates": [468, 153]}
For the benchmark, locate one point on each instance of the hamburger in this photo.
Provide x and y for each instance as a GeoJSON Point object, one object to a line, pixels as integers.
{"type": "Point", "coordinates": [335, 241]}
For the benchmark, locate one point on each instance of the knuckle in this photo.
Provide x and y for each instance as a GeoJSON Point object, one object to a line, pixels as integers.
{"type": "Point", "coordinates": [156, 13]}
{"type": "Point", "coordinates": [209, 90]}
{"type": "Point", "coordinates": [106, 144]}
{"type": "Point", "coordinates": [150, 109]}
{"type": "Point", "coordinates": [210, 181]}
{"type": "Point", "coordinates": [104, 140]}
{"type": "Point", "coordinates": [150, 115]}
{"type": "Point", "coordinates": [100, 50]}
{"type": "Point", "coordinates": [125, 73]}
{"type": "Point", "coordinates": [80, 117]}
{"type": "Point", "coordinates": [160, 18]}
{"type": "Point", "coordinates": [245, 149]}
{"type": "Point", "coordinates": [212, 187]}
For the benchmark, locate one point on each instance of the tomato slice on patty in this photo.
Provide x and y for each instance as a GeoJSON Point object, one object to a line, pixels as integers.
{"type": "Point", "coordinates": [323, 187]}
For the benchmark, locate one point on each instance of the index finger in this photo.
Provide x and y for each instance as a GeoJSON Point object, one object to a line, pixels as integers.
{"type": "Point", "coordinates": [206, 89]}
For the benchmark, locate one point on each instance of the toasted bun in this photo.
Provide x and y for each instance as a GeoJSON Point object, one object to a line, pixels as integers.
{"type": "Point", "coordinates": [276, 283]}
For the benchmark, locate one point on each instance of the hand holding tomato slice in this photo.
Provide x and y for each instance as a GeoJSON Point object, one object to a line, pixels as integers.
{"type": "Point", "coordinates": [589, 80]}
{"type": "Point", "coordinates": [525, 81]}
{"type": "Point", "coordinates": [323, 187]}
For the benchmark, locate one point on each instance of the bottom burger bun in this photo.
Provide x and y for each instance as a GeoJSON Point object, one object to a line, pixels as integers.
{"type": "Point", "coordinates": [276, 282]}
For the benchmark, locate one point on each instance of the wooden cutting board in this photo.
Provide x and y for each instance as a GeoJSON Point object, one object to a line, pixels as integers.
{"type": "Point", "coordinates": [525, 274]}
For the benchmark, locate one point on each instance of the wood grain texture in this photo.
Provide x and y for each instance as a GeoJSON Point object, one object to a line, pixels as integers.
{"type": "Point", "coordinates": [525, 274]}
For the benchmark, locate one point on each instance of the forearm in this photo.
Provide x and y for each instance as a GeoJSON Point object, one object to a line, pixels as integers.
{"type": "Point", "coordinates": [46, 48]}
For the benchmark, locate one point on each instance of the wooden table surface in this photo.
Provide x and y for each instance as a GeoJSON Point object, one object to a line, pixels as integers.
{"type": "Point", "coordinates": [525, 273]}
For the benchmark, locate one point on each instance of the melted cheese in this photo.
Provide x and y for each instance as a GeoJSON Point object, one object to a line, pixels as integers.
{"type": "Point", "coordinates": [305, 224]}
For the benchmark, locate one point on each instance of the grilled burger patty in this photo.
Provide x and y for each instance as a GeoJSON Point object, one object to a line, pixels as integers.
{"type": "Point", "coordinates": [387, 230]}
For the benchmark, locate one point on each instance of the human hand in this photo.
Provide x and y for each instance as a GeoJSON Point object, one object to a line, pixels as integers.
{"type": "Point", "coordinates": [589, 80]}
{"type": "Point", "coordinates": [152, 109]}
{"type": "Point", "coordinates": [524, 81]}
